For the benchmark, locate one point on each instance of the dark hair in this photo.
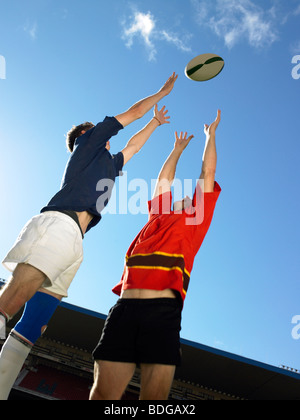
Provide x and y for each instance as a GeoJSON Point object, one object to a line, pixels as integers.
{"type": "Point", "coordinates": [75, 132]}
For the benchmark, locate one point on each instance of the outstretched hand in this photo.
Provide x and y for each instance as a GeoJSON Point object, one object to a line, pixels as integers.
{"type": "Point", "coordinates": [168, 86]}
{"type": "Point", "coordinates": [211, 129]}
{"type": "Point", "coordinates": [161, 116]}
{"type": "Point", "coordinates": [182, 141]}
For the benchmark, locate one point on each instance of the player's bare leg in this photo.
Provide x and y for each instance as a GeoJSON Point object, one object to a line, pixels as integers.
{"type": "Point", "coordinates": [156, 381]}
{"type": "Point", "coordinates": [111, 380]}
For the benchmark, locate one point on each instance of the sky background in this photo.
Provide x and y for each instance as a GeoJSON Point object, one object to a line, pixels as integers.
{"type": "Point", "coordinates": [72, 61]}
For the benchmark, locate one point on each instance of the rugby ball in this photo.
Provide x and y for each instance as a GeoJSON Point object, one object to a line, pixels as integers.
{"type": "Point", "coordinates": [204, 67]}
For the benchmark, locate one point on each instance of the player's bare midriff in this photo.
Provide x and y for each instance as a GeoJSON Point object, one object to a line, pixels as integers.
{"type": "Point", "coordinates": [148, 294]}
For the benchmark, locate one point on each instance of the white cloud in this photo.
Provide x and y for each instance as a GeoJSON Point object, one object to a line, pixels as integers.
{"type": "Point", "coordinates": [174, 39]}
{"type": "Point", "coordinates": [297, 11]}
{"type": "Point", "coordinates": [295, 47]}
{"type": "Point", "coordinates": [234, 20]}
{"type": "Point", "coordinates": [144, 26]}
{"type": "Point", "coordinates": [31, 29]}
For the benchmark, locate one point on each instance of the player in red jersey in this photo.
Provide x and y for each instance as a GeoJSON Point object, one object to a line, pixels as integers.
{"type": "Point", "coordinates": [143, 327]}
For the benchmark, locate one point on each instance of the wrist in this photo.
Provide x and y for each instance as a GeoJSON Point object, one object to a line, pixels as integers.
{"type": "Point", "coordinates": [178, 150]}
{"type": "Point", "coordinates": [157, 120]}
{"type": "Point", "coordinates": [211, 134]}
{"type": "Point", "coordinates": [161, 94]}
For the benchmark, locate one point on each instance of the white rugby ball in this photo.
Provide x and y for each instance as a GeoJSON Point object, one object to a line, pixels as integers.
{"type": "Point", "coordinates": [204, 67]}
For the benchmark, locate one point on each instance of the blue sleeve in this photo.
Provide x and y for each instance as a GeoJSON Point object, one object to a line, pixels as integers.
{"type": "Point", "coordinates": [98, 136]}
{"type": "Point", "coordinates": [118, 162]}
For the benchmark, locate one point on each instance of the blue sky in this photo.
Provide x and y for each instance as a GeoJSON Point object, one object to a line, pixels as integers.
{"type": "Point", "coordinates": [71, 61]}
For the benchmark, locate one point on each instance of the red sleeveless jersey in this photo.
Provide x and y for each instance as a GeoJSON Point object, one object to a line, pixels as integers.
{"type": "Point", "coordinates": [162, 255]}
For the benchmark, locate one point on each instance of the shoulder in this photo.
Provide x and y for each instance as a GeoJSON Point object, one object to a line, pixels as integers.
{"type": "Point", "coordinates": [109, 122]}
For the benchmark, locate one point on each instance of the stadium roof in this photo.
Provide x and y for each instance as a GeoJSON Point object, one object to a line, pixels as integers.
{"type": "Point", "coordinates": [201, 365]}
{"type": "Point", "coordinates": [211, 368]}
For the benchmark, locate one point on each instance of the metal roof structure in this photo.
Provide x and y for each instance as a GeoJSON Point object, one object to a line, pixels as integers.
{"type": "Point", "coordinates": [201, 365]}
{"type": "Point", "coordinates": [206, 366]}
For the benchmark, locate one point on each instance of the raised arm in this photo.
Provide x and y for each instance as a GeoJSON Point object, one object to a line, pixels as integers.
{"type": "Point", "coordinates": [209, 164]}
{"type": "Point", "coordinates": [138, 140]}
{"type": "Point", "coordinates": [142, 107]}
{"type": "Point", "coordinates": [168, 171]}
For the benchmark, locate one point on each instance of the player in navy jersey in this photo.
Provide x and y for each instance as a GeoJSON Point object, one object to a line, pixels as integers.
{"type": "Point", "coordinates": [48, 251]}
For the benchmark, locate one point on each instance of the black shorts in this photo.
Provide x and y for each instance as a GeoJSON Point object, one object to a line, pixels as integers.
{"type": "Point", "coordinates": [142, 331]}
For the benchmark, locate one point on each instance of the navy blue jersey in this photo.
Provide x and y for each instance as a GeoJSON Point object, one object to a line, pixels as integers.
{"type": "Point", "coordinates": [89, 163]}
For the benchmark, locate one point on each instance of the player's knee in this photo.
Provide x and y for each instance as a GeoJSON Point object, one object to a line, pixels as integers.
{"type": "Point", "coordinates": [104, 389]}
{"type": "Point", "coordinates": [95, 394]}
{"type": "Point", "coordinates": [100, 393]}
{"type": "Point", "coordinates": [36, 316]}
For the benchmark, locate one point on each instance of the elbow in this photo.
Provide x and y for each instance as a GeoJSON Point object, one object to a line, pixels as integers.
{"type": "Point", "coordinates": [134, 149]}
{"type": "Point", "coordinates": [138, 112]}
{"type": "Point", "coordinates": [208, 173]}
{"type": "Point", "coordinates": [208, 176]}
{"type": "Point", "coordinates": [137, 150]}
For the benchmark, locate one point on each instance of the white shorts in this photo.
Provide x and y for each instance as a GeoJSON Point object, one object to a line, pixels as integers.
{"type": "Point", "coordinates": [52, 243]}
